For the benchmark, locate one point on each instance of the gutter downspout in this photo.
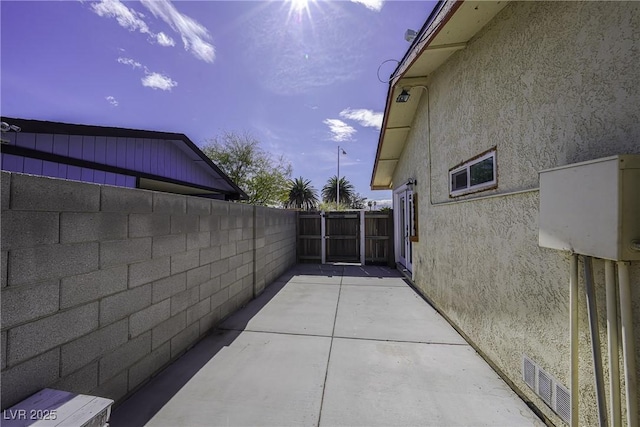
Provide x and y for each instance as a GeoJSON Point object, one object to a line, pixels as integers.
{"type": "Point", "coordinates": [628, 350]}
{"type": "Point", "coordinates": [612, 342]}
{"type": "Point", "coordinates": [573, 326]}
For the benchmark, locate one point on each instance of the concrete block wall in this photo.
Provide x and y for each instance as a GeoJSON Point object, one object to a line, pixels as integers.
{"type": "Point", "coordinates": [103, 286]}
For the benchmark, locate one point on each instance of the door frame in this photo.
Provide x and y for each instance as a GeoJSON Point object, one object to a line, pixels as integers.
{"type": "Point", "coordinates": [402, 237]}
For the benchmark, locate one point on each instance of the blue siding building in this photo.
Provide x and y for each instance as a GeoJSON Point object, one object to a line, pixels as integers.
{"type": "Point", "coordinates": [132, 158]}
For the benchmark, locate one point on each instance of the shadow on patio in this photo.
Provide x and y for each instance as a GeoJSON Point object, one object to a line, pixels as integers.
{"type": "Point", "coordinates": [329, 345]}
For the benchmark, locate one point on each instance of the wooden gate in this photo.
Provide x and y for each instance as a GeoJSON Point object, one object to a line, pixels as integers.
{"type": "Point", "coordinates": [339, 235]}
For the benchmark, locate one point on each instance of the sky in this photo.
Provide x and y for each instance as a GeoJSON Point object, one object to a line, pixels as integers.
{"type": "Point", "coordinates": [302, 77]}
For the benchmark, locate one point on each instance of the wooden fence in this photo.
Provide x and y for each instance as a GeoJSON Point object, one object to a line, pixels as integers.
{"type": "Point", "coordinates": [342, 237]}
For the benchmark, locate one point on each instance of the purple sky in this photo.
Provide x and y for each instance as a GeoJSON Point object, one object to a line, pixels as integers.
{"type": "Point", "coordinates": [299, 76]}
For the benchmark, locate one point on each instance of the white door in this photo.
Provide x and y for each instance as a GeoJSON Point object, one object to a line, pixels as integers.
{"type": "Point", "coordinates": [403, 209]}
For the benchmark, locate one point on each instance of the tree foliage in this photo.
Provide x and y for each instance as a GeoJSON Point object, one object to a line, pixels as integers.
{"type": "Point", "coordinates": [263, 177]}
{"type": "Point", "coordinates": [346, 190]}
{"type": "Point", "coordinates": [302, 195]}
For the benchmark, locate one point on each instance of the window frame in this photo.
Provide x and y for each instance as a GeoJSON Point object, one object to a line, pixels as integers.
{"type": "Point", "coordinates": [466, 166]}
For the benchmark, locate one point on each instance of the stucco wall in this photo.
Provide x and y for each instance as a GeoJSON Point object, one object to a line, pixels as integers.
{"type": "Point", "coordinates": [103, 286]}
{"type": "Point", "coordinates": [549, 84]}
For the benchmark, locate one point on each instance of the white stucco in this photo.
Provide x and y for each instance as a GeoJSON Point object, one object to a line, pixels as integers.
{"type": "Point", "coordinates": [548, 84]}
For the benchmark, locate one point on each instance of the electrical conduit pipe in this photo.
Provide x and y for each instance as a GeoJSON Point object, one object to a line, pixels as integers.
{"type": "Point", "coordinates": [628, 350]}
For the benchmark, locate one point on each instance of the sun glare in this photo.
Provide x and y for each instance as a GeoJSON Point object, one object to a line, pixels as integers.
{"type": "Point", "coordinates": [298, 8]}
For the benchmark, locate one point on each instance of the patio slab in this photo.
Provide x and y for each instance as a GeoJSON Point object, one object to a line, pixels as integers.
{"type": "Point", "coordinates": [295, 308]}
{"type": "Point", "coordinates": [376, 383]}
{"type": "Point", "coordinates": [373, 281]}
{"type": "Point", "coordinates": [390, 313]}
{"type": "Point", "coordinates": [258, 379]}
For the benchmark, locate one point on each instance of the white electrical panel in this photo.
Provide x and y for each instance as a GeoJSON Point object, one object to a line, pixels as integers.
{"type": "Point", "coordinates": [592, 208]}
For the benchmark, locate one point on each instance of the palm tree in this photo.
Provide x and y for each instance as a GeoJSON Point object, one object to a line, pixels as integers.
{"type": "Point", "coordinates": [301, 195]}
{"type": "Point", "coordinates": [346, 190]}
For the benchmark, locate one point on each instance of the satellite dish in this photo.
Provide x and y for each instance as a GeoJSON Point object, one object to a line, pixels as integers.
{"type": "Point", "coordinates": [409, 35]}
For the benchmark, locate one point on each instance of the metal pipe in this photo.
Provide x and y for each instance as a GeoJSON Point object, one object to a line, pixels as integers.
{"type": "Point", "coordinates": [612, 342]}
{"type": "Point", "coordinates": [573, 326]}
{"type": "Point", "coordinates": [592, 310]}
{"type": "Point", "coordinates": [628, 350]}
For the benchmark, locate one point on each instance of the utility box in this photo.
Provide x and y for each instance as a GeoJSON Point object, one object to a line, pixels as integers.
{"type": "Point", "coordinates": [592, 208]}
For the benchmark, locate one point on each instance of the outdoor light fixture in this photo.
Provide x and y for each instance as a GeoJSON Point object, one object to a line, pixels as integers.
{"type": "Point", "coordinates": [404, 96]}
{"type": "Point", "coordinates": [411, 183]}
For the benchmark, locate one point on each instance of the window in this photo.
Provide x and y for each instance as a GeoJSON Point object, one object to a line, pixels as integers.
{"type": "Point", "coordinates": [474, 175]}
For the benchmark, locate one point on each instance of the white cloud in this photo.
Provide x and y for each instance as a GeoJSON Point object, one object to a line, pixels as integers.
{"type": "Point", "coordinates": [158, 81]}
{"type": "Point", "coordinates": [193, 34]}
{"type": "Point", "coordinates": [375, 5]}
{"type": "Point", "coordinates": [129, 61]}
{"type": "Point", "coordinates": [112, 101]}
{"type": "Point", "coordinates": [164, 40]}
{"type": "Point", "coordinates": [127, 18]}
{"type": "Point", "coordinates": [340, 131]}
{"type": "Point", "coordinates": [364, 117]}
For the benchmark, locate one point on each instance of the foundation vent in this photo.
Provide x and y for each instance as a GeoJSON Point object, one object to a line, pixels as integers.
{"type": "Point", "coordinates": [563, 403]}
{"type": "Point", "coordinates": [554, 394]}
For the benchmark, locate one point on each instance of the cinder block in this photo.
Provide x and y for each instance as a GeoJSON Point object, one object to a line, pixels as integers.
{"type": "Point", "coordinates": [229, 307]}
{"type": "Point", "coordinates": [247, 258]}
{"type": "Point", "coordinates": [199, 310]}
{"type": "Point", "coordinates": [235, 288]}
{"type": "Point", "coordinates": [198, 275]}
{"type": "Point", "coordinates": [21, 381]}
{"type": "Point", "coordinates": [219, 268]}
{"type": "Point", "coordinates": [25, 303]}
{"type": "Point", "coordinates": [169, 203]}
{"type": "Point", "coordinates": [219, 298]}
{"type": "Point", "coordinates": [209, 223]}
{"type": "Point", "coordinates": [184, 224]}
{"type": "Point", "coordinates": [235, 261]}
{"type": "Point", "coordinates": [150, 364]}
{"type": "Point", "coordinates": [3, 350]}
{"type": "Point", "coordinates": [198, 206]}
{"type": "Point", "coordinates": [184, 339]}
{"type": "Point", "coordinates": [124, 251]}
{"type": "Point", "coordinates": [5, 190]}
{"type": "Point", "coordinates": [37, 193]}
{"type": "Point", "coordinates": [244, 246]}
{"type": "Point", "coordinates": [147, 225]}
{"type": "Point", "coordinates": [33, 338]}
{"type": "Point", "coordinates": [119, 199]}
{"type": "Point", "coordinates": [209, 321]}
{"type": "Point", "coordinates": [164, 288]}
{"type": "Point", "coordinates": [168, 329]}
{"type": "Point", "coordinates": [198, 240]}
{"type": "Point", "coordinates": [143, 320]}
{"type": "Point", "coordinates": [169, 245]}
{"type": "Point", "coordinates": [209, 255]}
{"type": "Point", "coordinates": [181, 301]}
{"type": "Point", "coordinates": [37, 264]}
{"type": "Point", "coordinates": [220, 208]}
{"type": "Point", "coordinates": [25, 229]}
{"type": "Point", "coordinates": [228, 250]}
{"type": "Point", "coordinates": [82, 381]}
{"type": "Point", "coordinates": [123, 304]}
{"type": "Point", "coordinates": [89, 227]}
{"type": "Point", "coordinates": [220, 237]}
{"type": "Point", "coordinates": [247, 233]}
{"type": "Point", "coordinates": [209, 287]}
{"type": "Point", "coordinates": [3, 270]}
{"type": "Point", "coordinates": [115, 389]}
{"type": "Point", "coordinates": [185, 261]}
{"type": "Point", "coordinates": [87, 287]}
{"type": "Point", "coordinates": [235, 235]}
{"type": "Point", "coordinates": [242, 271]}
{"type": "Point", "coordinates": [228, 279]}
{"type": "Point", "coordinates": [124, 356]}
{"type": "Point", "coordinates": [149, 271]}
{"type": "Point", "coordinates": [84, 350]}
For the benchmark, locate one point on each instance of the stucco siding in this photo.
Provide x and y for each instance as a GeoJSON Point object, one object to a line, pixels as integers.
{"type": "Point", "coordinates": [548, 84]}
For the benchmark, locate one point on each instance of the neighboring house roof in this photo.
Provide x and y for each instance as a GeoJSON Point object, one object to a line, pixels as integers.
{"type": "Point", "coordinates": [448, 29]}
{"type": "Point", "coordinates": [160, 161]}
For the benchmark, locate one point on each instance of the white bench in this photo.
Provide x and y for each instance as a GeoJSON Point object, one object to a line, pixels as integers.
{"type": "Point", "coordinates": [52, 408]}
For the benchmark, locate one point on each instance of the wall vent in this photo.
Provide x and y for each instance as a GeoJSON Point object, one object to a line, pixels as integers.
{"type": "Point", "coordinates": [554, 394]}
{"type": "Point", "coordinates": [563, 403]}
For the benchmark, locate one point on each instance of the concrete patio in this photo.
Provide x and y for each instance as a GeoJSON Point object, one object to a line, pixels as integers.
{"type": "Point", "coordinates": [330, 345]}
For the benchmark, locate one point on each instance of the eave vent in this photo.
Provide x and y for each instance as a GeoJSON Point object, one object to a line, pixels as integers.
{"type": "Point", "coordinates": [554, 394]}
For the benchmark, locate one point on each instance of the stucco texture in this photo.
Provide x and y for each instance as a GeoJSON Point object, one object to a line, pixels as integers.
{"type": "Point", "coordinates": [548, 84]}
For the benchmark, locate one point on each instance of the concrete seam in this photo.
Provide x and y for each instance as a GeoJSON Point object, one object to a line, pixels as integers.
{"type": "Point", "coordinates": [326, 373]}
